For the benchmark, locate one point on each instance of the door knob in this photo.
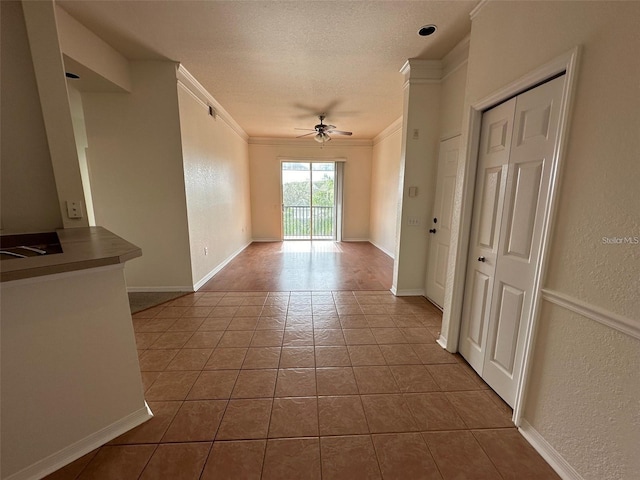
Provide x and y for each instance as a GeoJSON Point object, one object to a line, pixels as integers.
{"type": "Point", "coordinates": [481, 259]}
{"type": "Point", "coordinates": [432, 230]}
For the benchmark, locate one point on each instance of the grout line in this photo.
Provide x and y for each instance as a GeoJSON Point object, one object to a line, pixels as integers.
{"type": "Point", "coordinates": [148, 461]}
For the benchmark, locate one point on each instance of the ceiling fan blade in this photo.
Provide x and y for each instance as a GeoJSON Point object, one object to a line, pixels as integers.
{"type": "Point", "coordinates": [307, 129]}
{"type": "Point", "coordinates": [306, 134]}
{"type": "Point", "coordinates": [339, 132]}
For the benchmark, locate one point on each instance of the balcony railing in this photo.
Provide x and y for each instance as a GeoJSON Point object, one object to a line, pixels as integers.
{"type": "Point", "coordinates": [298, 223]}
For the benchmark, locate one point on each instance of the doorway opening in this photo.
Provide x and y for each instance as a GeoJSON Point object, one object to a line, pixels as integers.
{"type": "Point", "coordinates": [309, 207]}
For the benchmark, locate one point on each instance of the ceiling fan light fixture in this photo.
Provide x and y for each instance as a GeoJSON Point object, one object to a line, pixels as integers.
{"type": "Point", "coordinates": [322, 137]}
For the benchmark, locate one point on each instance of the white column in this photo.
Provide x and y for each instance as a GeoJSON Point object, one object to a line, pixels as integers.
{"type": "Point", "coordinates": [420, 133]}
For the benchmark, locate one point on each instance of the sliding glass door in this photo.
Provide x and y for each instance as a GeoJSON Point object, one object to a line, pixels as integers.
{"type": "Point", "coordinates": [308, 200]}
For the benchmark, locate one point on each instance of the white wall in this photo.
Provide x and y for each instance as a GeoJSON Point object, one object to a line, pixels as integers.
{"type": "Point", "coordinates": [417, 169]}
{"type": "Point", "coordinates": [29, 199]}
{"type": "Point", "coordinates": [216, 176]}
{"type": "Point", "coordinates": [70, 373]}
{"type": "Point", "coordinates": [135, 156]}
{"type": "Point", "coordinates": [42, 30]}
{"type": "Point", "coordinates": [265, 157]}
{"type": "Point", "coordinates": [583, 396]}
{"type": "Point", "coordinates": [385, 171]}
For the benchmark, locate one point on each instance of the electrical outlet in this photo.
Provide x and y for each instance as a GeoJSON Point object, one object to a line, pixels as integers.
{"type": "Point", "coordinates": [206, 250]}
{"type": "Point", "coordinates": [413, 221]}
{"type": "Point", "coordinates": [416, 134]}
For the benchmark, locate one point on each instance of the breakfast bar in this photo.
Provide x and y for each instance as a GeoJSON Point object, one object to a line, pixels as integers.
{"type": "Point", "coordinates": [70, 375]}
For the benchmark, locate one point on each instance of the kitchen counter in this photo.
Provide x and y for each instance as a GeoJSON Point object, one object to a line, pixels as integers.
{"type": "Point", "coordinates": [82, 248]}
{"type": "Point", "coordinates": [70, 379]}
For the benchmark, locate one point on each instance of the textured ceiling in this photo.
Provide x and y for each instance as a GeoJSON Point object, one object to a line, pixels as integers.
{"type": "Point", "coordinates": [275, 65]}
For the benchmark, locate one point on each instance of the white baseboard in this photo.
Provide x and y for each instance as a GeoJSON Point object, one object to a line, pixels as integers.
{"type": "Point", "coordinates": [182, 288]}
{"type": "Point", "coordinates": [382, 249]}
{"type": "Point", "coordinates": [76, 450]}
{"type": "Point", "coordinates": [442, 341]}
{"type": "Point", "coordinates": [355, 240]}
{"type": "Point", "coordinates": [210, 275]}
{"type": "Point", "coordinates": [418, 292]}
{"type": "Point", "coordinates": [546, 451]}
{"type": "Point", "coordinates": [267, 239]}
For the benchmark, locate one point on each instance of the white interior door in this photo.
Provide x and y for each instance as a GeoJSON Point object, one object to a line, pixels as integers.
{"type": "Point", "coordinates": [500, 283]}
{"type": "Point", "coordinates": [491, 176]}
{"type": "Point", "coordinates": [440, 231]}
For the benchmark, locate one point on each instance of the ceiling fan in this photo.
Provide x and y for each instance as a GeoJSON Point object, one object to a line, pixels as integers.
{"type": "Point", "coordinates": [322, 131]}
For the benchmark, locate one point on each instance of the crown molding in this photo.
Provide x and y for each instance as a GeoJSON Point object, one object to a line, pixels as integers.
{"type": "Point", "coordinates": [193, 86]}
{"type": "Point", "coordinates": [310, 143]}
{"type": "Point", "coordinates": [387, 132]}
{"type": "Point", "coordinates": [476, 10]}
{"type": "Point", "coordinates": [418, 71]}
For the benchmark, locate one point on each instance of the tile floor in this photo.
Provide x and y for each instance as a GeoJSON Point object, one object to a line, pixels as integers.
{"type": "Point", "coordinates": [308, 385]}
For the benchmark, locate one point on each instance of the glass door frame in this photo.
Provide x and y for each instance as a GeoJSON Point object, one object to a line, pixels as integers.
{"type": "Point", "coordinates": [337, 197]}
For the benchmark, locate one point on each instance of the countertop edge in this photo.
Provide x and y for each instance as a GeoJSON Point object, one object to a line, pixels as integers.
{"type": "Point", "coordinates": [83, 248]}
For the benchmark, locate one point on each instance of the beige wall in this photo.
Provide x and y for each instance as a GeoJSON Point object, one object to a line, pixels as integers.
{"type": "Point", "coordinates": [216, 176]}
{"type": "Point", "coordinates": [29, 199]}
{"type": "Point", "coordinates": [452, 102]}
{"type": "Point", "coordinates": [385, 172]}
{"type": "Point", "coordinates": [96, 58]}
{"type": "Point", "coordinates": [585, 376]}
{"type": "Point", "coordinates": [135, 156]}
{"type": "Point", "coordinates": [265, 158]}
{"type": "Point", "coordinates": [80, 133]}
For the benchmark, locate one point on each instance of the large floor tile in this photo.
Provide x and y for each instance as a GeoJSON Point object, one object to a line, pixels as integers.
{"type": "Point", "coordinates": [214, 384]}
{"type": "Point", "coordinates": [375, 379]}
{"type": "Point", "coordinates": [296, 382]}
{"type": "Point", "coordinates": [405, 456]}
{"type": "Point", "coordinates": [196, 421]}
{"type": "Point", "coordinates": [245, 419]}
{"type": "Point", "coordinates": [433, 411]}
{"type": "Point", "coordinates": [342, 415]}
{"type": "Point", "coordinates": [255, 384]}
{"type": "Point", "coordinates": [478, 410]}
{"type": "Point", "coordinates": [235, 460]}
{"type": "Point", "coordinates": [292, 459]}
{"type": "Point", "coordinates": [118, 462]}
{"type": "Point", "coordinates": [458, 455]}
{"type": "Point", "coordinates": [332, 356]}
{"type": "Point", "coordinates": [349, 458]}
{"type": "Point", "coordinates": [177, 461]}
{"type": "Point", "coordinates": [514, 457]}
{"type": "Point", "coordinates": [336, 381]}
{"type": "Point", "coordinates": [294, 417]}
{"type": "Point", "coordinates": [171, 386]}
{"type": "Point", "coordinates": [388, 413]}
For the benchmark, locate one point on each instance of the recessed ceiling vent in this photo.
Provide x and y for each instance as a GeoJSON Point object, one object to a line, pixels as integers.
{"type": "Point", "coordinates": [427, 30]}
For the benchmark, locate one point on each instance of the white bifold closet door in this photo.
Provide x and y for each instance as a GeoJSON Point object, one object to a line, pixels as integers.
{"type": "Point", "coordinates": [517, 148]}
